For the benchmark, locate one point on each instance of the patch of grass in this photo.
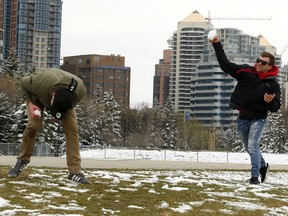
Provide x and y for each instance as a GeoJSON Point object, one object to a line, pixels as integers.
{"type": "Point", "coordinates": [139, 192]}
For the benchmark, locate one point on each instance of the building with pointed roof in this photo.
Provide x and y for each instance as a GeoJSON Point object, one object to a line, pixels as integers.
{"type": "Point", "coordinates": [194, 17]}
{"type": "Point", "coordinates": [187, 46]}
{"type": "Point", "coordinates": [266, 45]}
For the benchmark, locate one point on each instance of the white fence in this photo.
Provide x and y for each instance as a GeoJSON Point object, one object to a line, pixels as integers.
{"type": "Point", "coordinates": [43, 149]}
{"type": "Point", "coordinates": [174, 155]}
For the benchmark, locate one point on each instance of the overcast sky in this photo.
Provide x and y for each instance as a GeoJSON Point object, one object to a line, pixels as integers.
{"type": "Point", "coordinates": [139, 30]}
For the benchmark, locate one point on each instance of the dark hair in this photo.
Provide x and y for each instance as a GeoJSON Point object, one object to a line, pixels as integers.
{"type": "Point", "coordinates": [270, 56]}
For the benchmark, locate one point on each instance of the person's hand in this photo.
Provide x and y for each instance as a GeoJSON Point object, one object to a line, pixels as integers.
{"type": "Point", "coordinates": [213, 36]}
{"type": "Point", "coordinates": [268, 97]}
{"type": "Point", "coordinates": [215, 40]}
{"type": "Point", "coordinates": [31, 109]}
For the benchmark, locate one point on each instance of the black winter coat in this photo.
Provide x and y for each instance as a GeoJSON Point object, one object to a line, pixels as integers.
{"type": "Point", "coordinates": [248, 95]}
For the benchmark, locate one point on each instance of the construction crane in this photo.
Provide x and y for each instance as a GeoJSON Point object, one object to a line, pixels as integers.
{"type": "Point", "coordinates": [209, 18]}
{"type": "Point", "coordinates": [282, 53]}
{"type": "Point", "coordinates": [283, 50]}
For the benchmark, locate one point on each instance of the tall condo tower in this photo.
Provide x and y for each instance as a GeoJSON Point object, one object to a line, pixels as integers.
{"type": "Point", "coordinates": [33, 28]}
{"type": "Point", "coordinates": [187, 45]}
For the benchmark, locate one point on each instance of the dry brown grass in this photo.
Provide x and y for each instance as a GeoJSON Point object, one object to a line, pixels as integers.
{"type": "Point", "coordinates": [47, 191]}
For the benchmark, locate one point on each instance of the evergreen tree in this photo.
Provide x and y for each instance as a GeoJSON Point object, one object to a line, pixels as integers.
{"type": "Point", "coordinates": [84, 118]}
{"type": "Point", "coordinates": [274, 139]}
{"type": "Point", "coordinates": [12, 67]}
{"type": "Point", "coordinates": [6, 118]}
{"type": "Point", "coordinates": [59, 147]}
{"type": "Point", "coordinates": [53, 135]}
{"type": "Point", "coordinates": [96, 118]}
{"type": "Point", "coordinates": [229, 140]}
{"type": "Point", "coordinates": [155, 126]}
{"type": "Point", "coordinates": [112, 120]}
{"type": "Point", "coordinates": [20, 122]}
{"type": "Point", "coordinates": [104, 119]}
{"type": "Point", "coordinates": [10, 84]}
{"type": "Point", "coordinates": [169, 128]}
{"type": "Point", "coordinates": [11, 64]}
{"type": "Point", "coordinates": [13, 74]}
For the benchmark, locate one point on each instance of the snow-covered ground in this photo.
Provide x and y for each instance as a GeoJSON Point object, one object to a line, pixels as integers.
{"type": "Point", "coordinates": [231, 180]}
{"type": "Point", "coordinates": [170, 155]}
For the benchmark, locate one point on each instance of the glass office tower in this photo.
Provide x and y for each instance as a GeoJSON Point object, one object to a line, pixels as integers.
{"type": "Point", "coordinates": [33, 28]}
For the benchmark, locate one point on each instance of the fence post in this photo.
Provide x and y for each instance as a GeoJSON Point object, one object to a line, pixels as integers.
{"type": "Point", "coordinates": [134, 154]}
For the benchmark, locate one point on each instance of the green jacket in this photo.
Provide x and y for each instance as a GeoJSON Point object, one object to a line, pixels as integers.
{"type": "Point", "coordinates": [38, 87]}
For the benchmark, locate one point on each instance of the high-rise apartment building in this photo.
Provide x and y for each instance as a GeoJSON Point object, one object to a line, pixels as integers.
{"type": "Point", "coordinates": [161, 78]}
{"type": "Point", "coordinates": [187, 46]}
{"type": "Point", "coordinates": [33, 28]}
{"type": "Point", "coordinates": [107, 72]}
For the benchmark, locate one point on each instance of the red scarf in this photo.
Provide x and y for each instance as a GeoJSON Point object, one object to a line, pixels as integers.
{"type": "Point", "coordinates": [273, 72]}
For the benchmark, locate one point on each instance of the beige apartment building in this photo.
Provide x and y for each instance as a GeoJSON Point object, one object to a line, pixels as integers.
{"type": "Point", "coordinates": [107, 72]}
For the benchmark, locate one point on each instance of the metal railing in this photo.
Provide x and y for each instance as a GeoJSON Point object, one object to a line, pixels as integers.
{"type": "Point", "coordinates": [44, 149]}
{"type": "Point", "coordinates": [12, 149]}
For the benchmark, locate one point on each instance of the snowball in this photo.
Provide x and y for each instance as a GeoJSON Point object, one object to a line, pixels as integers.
{"type": "Point", "coordinates": [212, 34]}
{"type": "Point", "coordinates": [37, 112]}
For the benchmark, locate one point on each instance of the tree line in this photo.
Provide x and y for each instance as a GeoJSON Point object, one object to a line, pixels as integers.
{"type": "Point", "coordinates": [103, 123]}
